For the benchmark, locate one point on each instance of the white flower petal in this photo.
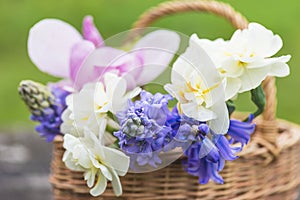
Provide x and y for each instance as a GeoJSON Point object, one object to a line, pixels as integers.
{"type": "Point", "coordinates": [93, 141]}
{"type": "Point", "coordinates": [81, 154]}
{"type": "Point", "coordinates": [114, 84]}
{"type": "Point", "coordinates": [246, 58]}
{"type": "Point", "coordinates": [89, 177]}
{"type": "Point", "coordinates": [172, 90]}
{"type": "Point", "coordinates": [116, 160]}
{"type": "Point", "coordinates": [49, 46]}
{"type": "Point", "coordinates": [220, 124]}
{"type": "Point", "coordinates": [69, 141]}
{"type": "Point", "coordinates": [232, 87]}
{"type": "Point", "coordinates": [72, 166]}
{"type": "Point", "coordinates": [197, 61]}
{"type": "Point", "coordinates": [100, 186]}
{"type": "Point", "coordinates": [252, 78]}
{"type": "Point", "coordinates": [279, 70]}
{"type": "Point", "coordinates": [215, 49]}
{"type": "Point", "coordinates": [67, 126]}
{"type": "Point", "coordinates": [133, 93]}
{"type": "Point", "coordinates": [263, 41]}
{"type": "Point", "coordinates": [116, 183]}
{"type": "Point", "coordinates": [105, 172]}
{"type": "Point", "coordinates": [115, 89]}
{"type": "Point", "coordinates": [268, 61]}
{"type": "Point", "coordinates": [180, 74]}
{"type": "Point", "coordinates": [102, 126]}
{"type": "Point", "coordinates": [233, 68]}
{"type": "Point", "coordinates": [190, 96]}
{"type": "Point", "coordinates": [199, 113]}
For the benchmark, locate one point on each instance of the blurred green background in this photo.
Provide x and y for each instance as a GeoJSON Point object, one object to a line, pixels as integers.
{"type": "Point", "coordinates": [114, 16]}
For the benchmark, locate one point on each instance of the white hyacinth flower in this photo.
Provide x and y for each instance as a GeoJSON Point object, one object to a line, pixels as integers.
{"type": "Point", "coordinates": [245, 60]}
{"type": "Point", "coordinates": [90, 106]}
{"type": "Point", "coordinates": [197, 86]}
{"type": "Point", "coordinates": [99, 163]}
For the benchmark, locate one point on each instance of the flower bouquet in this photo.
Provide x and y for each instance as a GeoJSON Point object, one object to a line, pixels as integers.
{"type": "Point", "coordinates": [105, 124]}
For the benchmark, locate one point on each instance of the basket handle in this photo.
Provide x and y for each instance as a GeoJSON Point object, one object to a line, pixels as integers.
{"type": "Point", "coordinates": [268, 127]}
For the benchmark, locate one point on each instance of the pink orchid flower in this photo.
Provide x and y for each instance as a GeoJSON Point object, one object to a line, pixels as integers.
{"type": "Point", "coordinates": [57, 48]}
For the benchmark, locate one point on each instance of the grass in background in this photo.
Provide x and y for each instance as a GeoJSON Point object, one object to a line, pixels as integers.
{"type": "Point", "coordinates": [114, 16]}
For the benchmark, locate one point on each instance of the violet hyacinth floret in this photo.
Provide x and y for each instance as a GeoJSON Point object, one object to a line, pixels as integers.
{"type": "Point", "coordinates": [241, 131]}
{"type": "Point", "coordinates": [50, 118]}
{"type": "Point", "coordinates": [183, 129]}
{"type": "Point", "coordinates": [207, 154]}
{"type": "Point", "coordinates": [144, 132]}
{"type": "Point", "coordinates": [207, 151]}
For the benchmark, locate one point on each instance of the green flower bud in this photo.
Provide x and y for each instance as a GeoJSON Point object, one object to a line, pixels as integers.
{"type": "Point", "coordinates": [36, 96]}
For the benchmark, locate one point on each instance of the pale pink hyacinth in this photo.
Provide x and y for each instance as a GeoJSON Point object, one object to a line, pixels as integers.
{"type": "Point", "coordinates": [57, 48]}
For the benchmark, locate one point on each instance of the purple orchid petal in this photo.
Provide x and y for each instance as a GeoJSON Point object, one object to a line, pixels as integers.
{"type": "Point", "coordinates": [96, 64]}
{"type": "Point", "coordinates": [130, 65]}
{"type": "Point", "coordinates": [157, 50]}
{"type": "Point", "coordinates": [91, 33]}
{"type": "Point", "coordinates": [108, 59]}
{"type": "Point", "coordinates": [49, 46]}
{"type": "Point", "coordinates": [79, 53]}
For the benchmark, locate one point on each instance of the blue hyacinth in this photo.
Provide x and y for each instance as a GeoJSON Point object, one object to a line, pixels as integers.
{"type": "Point", "coordinates": [205, 150]}
{"type": "Point", "coordinates": [207, 155]}
{"type": "Point", "coordinates": [50, 118]}
{"type": "Point", "coordinates": [46, 105]}
{"type": "Point", "coordinates": [184, 129]}
{"type": "Point", "coordinates": [144, 132]}
{"type": "Point", "coordinates": [241, 131]}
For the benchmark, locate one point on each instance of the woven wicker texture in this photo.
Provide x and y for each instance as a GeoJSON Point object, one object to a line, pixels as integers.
{"type": "Point", "coordinates": [268, 168]}
{"type": "Point", "coordinates": [247, 178]}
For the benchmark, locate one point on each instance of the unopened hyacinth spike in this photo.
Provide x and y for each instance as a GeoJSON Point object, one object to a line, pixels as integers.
{"type": "Point", "coordinates": [36, 96]}
{"type": "Point", "coordinates": [46, 105]}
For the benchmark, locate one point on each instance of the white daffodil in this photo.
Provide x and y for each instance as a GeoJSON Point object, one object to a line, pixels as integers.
{"type": "Point", "coordinates": [89, 107]}
{"type": "Point", "coordinates": [245, 60]}
{"type": "Point", "coordinates": [99, 163]}
{"type": "Point", "coordinates": [197, 86]}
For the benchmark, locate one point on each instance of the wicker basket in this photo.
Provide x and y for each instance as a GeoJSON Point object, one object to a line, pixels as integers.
{"type": "Point", "coordinates": [268, 168]}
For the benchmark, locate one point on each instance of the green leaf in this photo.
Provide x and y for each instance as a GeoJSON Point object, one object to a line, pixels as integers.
{"type": "Point", "coordinates": [110, 115]}
{"type": "Point", "coordinates": [258, 97]}
{"type": "Point", "coordinates": [230, 106]}
{"type": "Point", "coordinates": [115, 145]}
{"type": "Point", "coordinates": [110, 129]}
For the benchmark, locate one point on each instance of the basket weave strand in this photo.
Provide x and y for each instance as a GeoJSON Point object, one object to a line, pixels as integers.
{"type": "Point", "coordinates": [174, 7]}
{"type": "Point", "coordinates": [255, 175]}
{"type": "Point", "coordinates": [247, 178]}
